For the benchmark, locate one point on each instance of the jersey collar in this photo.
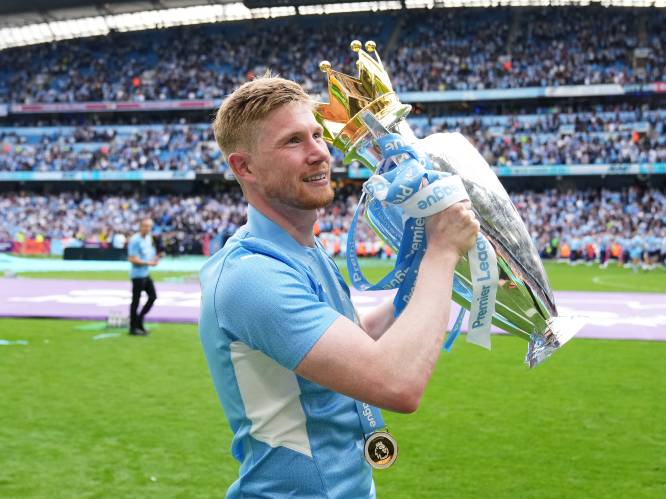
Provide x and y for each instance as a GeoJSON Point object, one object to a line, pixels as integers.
{"type": "Point", "coordinates": [261, 226]}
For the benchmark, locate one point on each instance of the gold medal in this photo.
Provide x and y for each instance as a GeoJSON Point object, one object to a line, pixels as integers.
{"type": "Point", "coordinates": [381, 450]}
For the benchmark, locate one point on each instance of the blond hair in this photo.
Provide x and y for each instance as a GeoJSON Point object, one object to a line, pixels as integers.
{"type": "Point", "coordinates": [237, 119]}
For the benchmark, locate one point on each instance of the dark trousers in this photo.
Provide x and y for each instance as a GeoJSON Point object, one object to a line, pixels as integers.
{"type": "Point", "coordinates": [138, 286]}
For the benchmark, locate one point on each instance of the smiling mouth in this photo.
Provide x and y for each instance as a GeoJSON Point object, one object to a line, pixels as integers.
{"type": "Point", "coordinates": [315, 178]}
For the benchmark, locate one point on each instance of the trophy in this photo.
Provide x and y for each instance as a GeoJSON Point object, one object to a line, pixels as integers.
{"type": "Point", "coordinates": [361, 112]}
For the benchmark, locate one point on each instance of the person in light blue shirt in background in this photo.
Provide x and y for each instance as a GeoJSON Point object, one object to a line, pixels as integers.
{"type": "Point", "coordinates": [142, 254]}
{"type": "Point", "coordinates": [636, 250]}
{"type": "Point", "coordinates": [576, 250]}
{"type": "Point", "coordinates": [290, 359]}
{"type": "Point", "coordinates": [652, 249]}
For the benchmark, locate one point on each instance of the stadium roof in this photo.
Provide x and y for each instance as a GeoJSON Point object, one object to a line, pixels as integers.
{"type": "Point", "coordinates": [21, 12]}
{"type": "Point", "coordinates": [27, 22]}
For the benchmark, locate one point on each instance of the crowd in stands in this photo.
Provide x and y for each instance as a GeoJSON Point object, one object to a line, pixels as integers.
{"type": "Point", "coordinates": [79, 218]}
{"type": "Point", "coordinates": [574, 46]}
{"type": "Point", "coordinates": [611, 136]}
{"type": "Point", "coordinates": [509, 48]}
{"type": "Point", "coordinates": [582, 225]}
{"type": "Point", "coordinates": [590, 225]}
{"type": "Point", "coordinates": [203, 62]}
{"type": "Point", "coordinates": [451, 50]}
{"type": "Point", "coordinates": [634, 136]}
{"type": "Point", "coordinates": [436, 50]}
{"type": "Point", "coordinates": [153, 147]}
{"type": "Point", "coordinates": [655, 67]}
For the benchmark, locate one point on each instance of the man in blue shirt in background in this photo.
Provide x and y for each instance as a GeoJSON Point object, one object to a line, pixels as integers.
{"type": "Point", "coordinates": [293, 365]}
{"type": "Point", "coordinates": [142, 255]}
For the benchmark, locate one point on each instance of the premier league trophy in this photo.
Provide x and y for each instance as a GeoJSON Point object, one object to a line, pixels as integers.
{"type": "Point", "coordinates": [502, 280]}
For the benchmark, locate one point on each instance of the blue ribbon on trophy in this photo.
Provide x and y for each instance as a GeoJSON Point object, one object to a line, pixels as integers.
{"type": "Point", "coordinates": [416, 191]}
{"type": "Point", "coordinates": [501, 280]}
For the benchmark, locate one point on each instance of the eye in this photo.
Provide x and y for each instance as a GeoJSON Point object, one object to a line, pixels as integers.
{"type": "Point", "coordinates": [294, 140]}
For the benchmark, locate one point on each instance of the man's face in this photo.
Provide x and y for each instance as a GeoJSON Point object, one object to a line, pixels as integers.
{"type": "Point", "coordinates": [145, 227]}
{"type": "Point", "coordinates": [291, 160]}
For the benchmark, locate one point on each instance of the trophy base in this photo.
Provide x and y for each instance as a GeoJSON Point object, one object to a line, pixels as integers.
{"type": "Point", "coordinates": [559, 331]}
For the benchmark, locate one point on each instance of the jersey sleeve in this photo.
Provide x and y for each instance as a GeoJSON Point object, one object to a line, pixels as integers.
{"type": "Point", "coordinates": [271, 307]}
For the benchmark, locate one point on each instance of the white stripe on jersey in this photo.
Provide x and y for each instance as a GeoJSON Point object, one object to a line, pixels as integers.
{"type": "Point", "coordinates": [271, 397]}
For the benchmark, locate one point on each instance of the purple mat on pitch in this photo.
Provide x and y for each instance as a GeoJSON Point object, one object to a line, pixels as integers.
{"type": "Point", "coordinates": [608, 315]}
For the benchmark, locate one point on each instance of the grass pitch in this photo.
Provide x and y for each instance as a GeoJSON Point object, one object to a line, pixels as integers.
{"type": "Point", "coordinates": [563, 277]}
{"type": "Point", "coordinates": [127, 417]}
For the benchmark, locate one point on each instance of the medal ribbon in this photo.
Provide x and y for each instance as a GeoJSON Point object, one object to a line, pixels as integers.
{"type": "Point", "coordinates": [406, 186]}
{"type": "Point", "coordinates": [371, 418]}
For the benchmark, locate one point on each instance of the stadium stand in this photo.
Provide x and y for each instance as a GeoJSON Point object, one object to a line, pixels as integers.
{"type": "Point", "coordinates": [186, 63]}
{"type": "Point", "coordinates": [445, 49]}
{"type": "Point", "coordinates": [584, 164]}
{"type": "Point", "coordinates": [120, 148]}
{"type": "Point", "coordinates": [588, 222]}
{"type": "Point", "coordinates": [557, 138]}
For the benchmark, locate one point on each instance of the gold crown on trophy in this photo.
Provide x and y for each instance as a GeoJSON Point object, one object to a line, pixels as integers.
{"type": "Point", "coordinates": [349, 96]}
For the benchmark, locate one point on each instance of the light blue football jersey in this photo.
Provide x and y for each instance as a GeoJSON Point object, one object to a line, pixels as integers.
{"type": "Point", "coordinates": [652, 243]}
{"type": "Point", "coordinates": [266, 300]}
{"type": "Point", "coordinates": [636, 246]}
{"type": "Point", "coordinates": [143, 248]}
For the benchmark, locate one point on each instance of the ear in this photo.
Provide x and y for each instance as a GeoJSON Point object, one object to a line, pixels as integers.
{"type": "Point", "coordinates": [239, 162]}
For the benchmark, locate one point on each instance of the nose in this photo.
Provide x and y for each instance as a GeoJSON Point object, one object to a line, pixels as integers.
{"type": "Point", "coordinates": [318, 151]}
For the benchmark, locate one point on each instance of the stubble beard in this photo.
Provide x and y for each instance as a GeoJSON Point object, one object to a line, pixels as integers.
{"type": "Point", "coordinates": [289, 196]}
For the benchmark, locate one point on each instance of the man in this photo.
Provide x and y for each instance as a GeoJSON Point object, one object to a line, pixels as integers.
{"type": "Point", "coordinates": [636, 251]}
{"type": "Point", "coordinates": [652, 247]}
{"type": "Point", "coordinates": [288, 355]}
{"type": "Point", "coordinates": [142, 255]}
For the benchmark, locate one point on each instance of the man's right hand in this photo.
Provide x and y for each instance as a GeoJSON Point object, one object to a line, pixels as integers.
{"type": "Point", "coordinates": [452, 230]}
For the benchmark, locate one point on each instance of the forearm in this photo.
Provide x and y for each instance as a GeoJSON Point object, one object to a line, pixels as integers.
{"type": "Point", "coordinates": [393, 371]}
{"type": "Point", "coordinates": [414, 340]}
